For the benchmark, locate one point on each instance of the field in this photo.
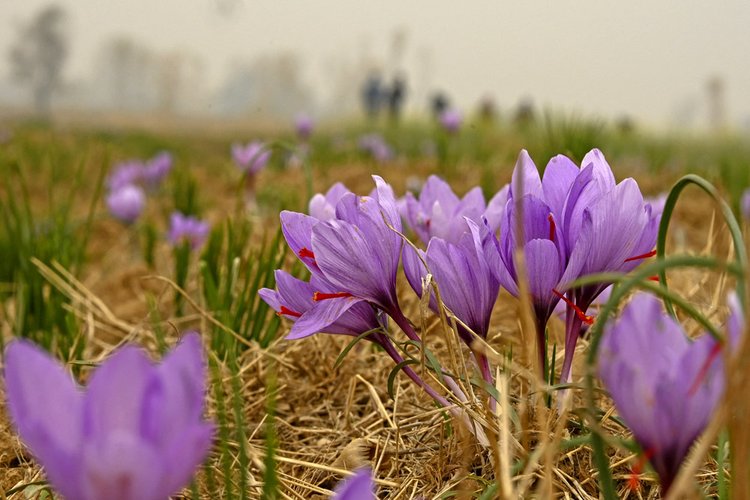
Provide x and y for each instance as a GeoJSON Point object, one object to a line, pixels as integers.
{"type": "Point", "coordinates": [295, 416]}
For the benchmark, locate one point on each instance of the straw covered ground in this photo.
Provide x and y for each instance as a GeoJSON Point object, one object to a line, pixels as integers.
{"type": "Point", "coordinates": [320, 419]}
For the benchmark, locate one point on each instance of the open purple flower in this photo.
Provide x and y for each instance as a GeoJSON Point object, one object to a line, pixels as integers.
{"type": "Point", "coordinates": [294, 300]}
{"type": "Point", "coordinates": [665, 386]}
{"type": "Point", "coordinates": [126, 203]}
{"type": "Point", "coordinates": [323, 207]}
{"type": "Point", "coordinates": [439, 212]}
{"type": "Point", "coordinates": [183, 228]}
{"type": "Point", "coordinates": [251, 158]}
{"type": "Point", "coordinates": [135, 433]}
{"type": "Point", "coordinates": [360, 486]}
{"type": "Point", "coordinates": [156, 169]}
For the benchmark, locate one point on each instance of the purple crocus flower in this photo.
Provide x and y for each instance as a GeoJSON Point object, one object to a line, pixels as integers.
{"type": "Point", "coordinates": [125, 174]}
{"type": "Point", "coordinates": [356, 253]}
{"type": "Point", "coordinates": [360, 486]}
{"type": "Point", "coordinates": [594, 224]}
{"type": "Point", "coordinates": [304, 125]}
{"type": "Point", "coordinates": [135, 433]}
{"type": "Point", "coordinates": [126, 203]}
{"type": "Point", "coordinates": [451, 120]}
{"type": "Point", "coordinates": [187, 228]}
{"type": "Point", "coordinates": [156, 169]}
{"type": "Point", "coordinates": [665, 386]}
{"type": "Point", "coordinates": [251, 158]}
{"type": "Point", "coordinates": [323, 207]}
{"type": "Point", "coordinates": [439, 212]}
{"type": "Point", "coordinates": [294, 297]}
{"type": "Point", "coordinates": [467, 287]}
{"type": "Point", "coordinates": [375, 146]}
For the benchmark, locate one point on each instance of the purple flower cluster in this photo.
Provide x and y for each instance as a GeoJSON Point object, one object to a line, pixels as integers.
{"type": "Point", "coordinates": [439, 212]}
{"type": "Point", "coordinates": [136, 432]}
{"type": "Point", "coordinates": [576, 221]}
{"type": "Point", "coordinates": [126, 198]}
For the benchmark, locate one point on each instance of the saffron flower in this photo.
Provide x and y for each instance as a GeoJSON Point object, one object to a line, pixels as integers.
{"type": "Point", "coordinates": [183, 228]}
{"type": "Point", "coordinates": [451, 120]}
{"type": "Point", "coordinates": [467, 286]}
{"type": "Point", "coordinates": [665, 386]}
{"type": "Point", "coordinates": [360, 486]}
{"type": "Point", "coordinates": [594, 225]}
{"type": "Point", "coordinates": [135, 433]}
{"type": "Point", "coordinates": [439, 212]}
{"type": "Point", "coordinates": [376, 147]}
{"type": "Point", "coordinates": [304, 126]}
{"type": "Point", "coordinates": [294, 298]}
{"type": "Point", "coordinates": [126, 203]}
{"type": "Point", "coordinates": [323, 207]}
{"type": "Point", "coordinates": [156, 169]}
{"type": "Point", "coordinates": [251, 158]}
{"type": "Point", "coordinates": [125, 174]}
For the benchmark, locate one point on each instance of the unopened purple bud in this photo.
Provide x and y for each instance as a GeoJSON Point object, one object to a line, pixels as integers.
{"type": "Point", "coordinates": [451, 120]}
{"type": "Point", "coordinates": [126, 203]}
{"type": "Point", "coordinates": [304, 126]}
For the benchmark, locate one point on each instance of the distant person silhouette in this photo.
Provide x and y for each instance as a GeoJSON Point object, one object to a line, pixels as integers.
{"type": "Point", "coordinates": [439, 103]}
{"type": "Point", "coordinates": [372, 96]}
{"type": "Point", "coordinates": [396, 97]}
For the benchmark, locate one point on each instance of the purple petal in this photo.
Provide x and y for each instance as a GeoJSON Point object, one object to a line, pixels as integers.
{"type": "Point", "coordinates": [360, 486]}
{"type": "Point", "coordinates": [119, 465]}
{"type": "Point", "coordinates": [558, 178]}
{"type": "Point", "coordinates": [117, 394]}
{"type": "Point", "coordinates": [525, 171]}
{"type": "Point", "coordinates": [46, 407]}
{"type": "Point", "coordinates": [321, 316]}
{"type": "Point", "coordinates": [297, 230]}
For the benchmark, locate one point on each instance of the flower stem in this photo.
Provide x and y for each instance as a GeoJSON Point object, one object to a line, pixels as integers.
{"type": "Point", "coordinates": [572, 332]}
{"type": "Point", "coordinates": [393, 353]}
{"type": "Point", "coordinates": [486, 371]}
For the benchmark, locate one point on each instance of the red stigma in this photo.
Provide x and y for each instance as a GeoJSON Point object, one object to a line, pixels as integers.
{"type": "Point", "coordinates": [589, 320]}
{"type": "Point", "coordinates": [306, 252]}
{"type": "Point", "coordinates": [634, 483]}
{"type": "Point", "coordinates": [318, 296]}
{"type": "Point", "coordinates": [704, 369]}
{"type": "Point", "coordinates": [653, 278]}
{"type": "Point", "coordinates": [552, 227]}
{"type": "Point", "coordinates": [642, 256]}
{"type": "Point", "coordinates": [285, 311]}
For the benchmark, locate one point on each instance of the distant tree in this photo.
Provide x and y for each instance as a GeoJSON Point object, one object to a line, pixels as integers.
{"type": "Point", "coordinates": [127, 74]}
{"type": "Point", "coordinates": [38, 55]}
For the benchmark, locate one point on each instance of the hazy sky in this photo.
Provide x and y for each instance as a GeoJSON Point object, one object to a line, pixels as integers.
{"type": "Point", "coordinates": [647, 59]}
